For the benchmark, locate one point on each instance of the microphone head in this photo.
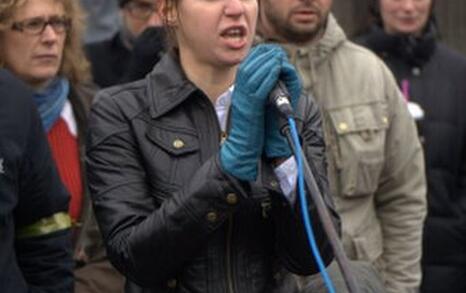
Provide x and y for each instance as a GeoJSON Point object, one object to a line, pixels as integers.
{"type": "Point", "coordinates": [280, 98]}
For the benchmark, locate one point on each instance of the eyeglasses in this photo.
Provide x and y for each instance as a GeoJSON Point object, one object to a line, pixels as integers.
{"type": "Point", "coordinates": [37, 25]}
{"type": "Point", "coordinates": [140, 9]}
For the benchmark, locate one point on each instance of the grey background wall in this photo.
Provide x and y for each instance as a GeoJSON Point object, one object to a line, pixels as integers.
{"type": "Point", "coordinates": [451, 15]}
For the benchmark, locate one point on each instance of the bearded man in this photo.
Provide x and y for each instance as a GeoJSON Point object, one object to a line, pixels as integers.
{"type": "Point", "coordinates": [375, 159]}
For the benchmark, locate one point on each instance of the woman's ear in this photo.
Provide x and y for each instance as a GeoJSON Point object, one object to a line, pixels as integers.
{"type": "Point", "coordinates": [167, 10]}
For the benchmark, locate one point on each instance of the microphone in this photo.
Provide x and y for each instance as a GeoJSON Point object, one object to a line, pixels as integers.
{"type": "Point", "coordinates": [279, 97]}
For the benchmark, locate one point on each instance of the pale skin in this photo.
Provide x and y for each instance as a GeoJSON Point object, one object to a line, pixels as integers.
{"type": "Point", "coordinates": [405, 16]}
{"type": "Point", "coordinates": [213, 38]}
{"type": "Point", "coordinates": [35, 59]}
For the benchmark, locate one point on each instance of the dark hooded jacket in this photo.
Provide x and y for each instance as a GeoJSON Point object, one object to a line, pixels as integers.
{"type": "Point", "coordinates": [35, 237]}
{"type": "Point", "coordinates": [113, 62]}
{"type": "Point", "coordinates": [436, 81]}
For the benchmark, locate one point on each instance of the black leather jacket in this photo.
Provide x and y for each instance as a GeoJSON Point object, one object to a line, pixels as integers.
{"type": "Point", "coordinates": [171, 219]}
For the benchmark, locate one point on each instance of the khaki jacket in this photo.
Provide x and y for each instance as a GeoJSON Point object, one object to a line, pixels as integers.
{"type": "Point", "coordinates": [376, 165]}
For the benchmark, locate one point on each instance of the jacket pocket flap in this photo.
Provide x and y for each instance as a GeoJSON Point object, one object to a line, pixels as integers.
{"type": "Point", "coordinates": [362, 117]}
{"type": "Point", "coordinates": [173, 140]}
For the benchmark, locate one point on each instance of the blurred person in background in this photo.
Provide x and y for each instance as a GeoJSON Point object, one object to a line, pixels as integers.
{"type": "Point", "coordinates": [432, 77]}
{"type": "Point", "coordinates": [134, 49]}
{"type": "Point", "coordinates": [375, 159]}
{"type": "Point", "coordinates": [35, 239]}
{"type": "Point", "coordinates": [40, 43]}
{"type": "Point", "coordinates": [102, 19]}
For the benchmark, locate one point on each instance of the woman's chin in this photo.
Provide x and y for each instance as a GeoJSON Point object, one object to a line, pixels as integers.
{"type": "Point", "coordinates": [40, 80]}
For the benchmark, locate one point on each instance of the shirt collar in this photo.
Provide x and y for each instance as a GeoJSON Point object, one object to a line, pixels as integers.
{"type": "Point", "coordinates": [222, 105]}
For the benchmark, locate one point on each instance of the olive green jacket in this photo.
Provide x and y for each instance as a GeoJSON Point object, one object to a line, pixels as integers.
{"type": "Point", "coordinates": [376, 165]}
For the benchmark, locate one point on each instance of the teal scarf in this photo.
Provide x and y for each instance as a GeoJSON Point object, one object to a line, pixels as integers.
{"type": "Point", "coordinates": [51, 100]}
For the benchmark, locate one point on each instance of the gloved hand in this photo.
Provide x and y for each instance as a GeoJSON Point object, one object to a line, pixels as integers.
{"type": "Point", "coordinates": [147, 51]}
{"type": "Point", "coordinates": [256, 77]}
{"type": "Point", "coordinates": [276, 145]}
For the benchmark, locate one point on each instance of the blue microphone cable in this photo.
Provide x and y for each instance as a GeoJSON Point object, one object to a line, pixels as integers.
{"type": "Point", "coordinates": [304, 209]}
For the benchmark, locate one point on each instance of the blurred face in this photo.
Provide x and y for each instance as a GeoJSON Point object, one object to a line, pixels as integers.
{"type": "Point", "coordinates": [32, 48]}
{"type": "Point", "coordinates": [214, 32]}
{"type": "Point", "coordinates": [141, 14]}
{"type": "Point", "coordinates": [295, 21]}
{"type": "Point", "coordinates": [405, 16]}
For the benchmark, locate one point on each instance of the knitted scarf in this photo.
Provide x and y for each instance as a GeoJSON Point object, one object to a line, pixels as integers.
{"type": "Point", "coordinates": [51, 100]}
{"type": "Point", "coordinates": [415, 51]}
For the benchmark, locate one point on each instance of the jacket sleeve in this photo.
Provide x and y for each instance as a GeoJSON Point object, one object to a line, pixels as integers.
{"type": "Point", "coordinates": [462, 169]}
{"type": "Point", "coordinates": [149, 243]}
{"type": "Point", "coordinates": [401, 195]}
{"type": "Point", "coordinates": [292, 242]}
{"type": "Point", "coordinates": [43, 239]}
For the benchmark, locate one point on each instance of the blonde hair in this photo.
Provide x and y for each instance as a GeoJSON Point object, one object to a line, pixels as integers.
{"type": "Point", "coordinates": [75, 66]}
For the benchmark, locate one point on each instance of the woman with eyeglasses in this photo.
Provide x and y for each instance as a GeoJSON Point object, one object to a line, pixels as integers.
{"type": "Point", "coordinates": [193, 186]}
{"type": "Point", "coordinates": [116, 60]}
{"type": "Point", "coordinates": [40, 43]}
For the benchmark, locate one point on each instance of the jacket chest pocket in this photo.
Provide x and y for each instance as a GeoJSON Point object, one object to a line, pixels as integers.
{"type": "Point", "coordinates": [173, 154]}
{"type": "Point", "coordinates": [357, 142]}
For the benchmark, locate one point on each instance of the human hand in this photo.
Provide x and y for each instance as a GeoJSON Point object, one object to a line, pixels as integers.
{"type": "Point", "coordinates": [256, 77]}
{"type": "Point", "coordinates": [276, 145]}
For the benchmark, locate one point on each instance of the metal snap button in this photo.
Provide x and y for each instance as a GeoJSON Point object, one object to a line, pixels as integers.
{"type": "Point", "coordinates": [212, 217]}
{"type": "Point", "coordinates": [343, 126]}
{"type": "Point", "coordinates": [223, 137]}
{"type": "Point", "coordinates": [416, 71]}
{"type": "Point", "coordinates": [172, 283]}
{"type": "Point", "coordinates": [366, 135]}
{"type": "Point", "coordinates": [178, 143]}
{"type": "Point", "coordinates": [232, 199]}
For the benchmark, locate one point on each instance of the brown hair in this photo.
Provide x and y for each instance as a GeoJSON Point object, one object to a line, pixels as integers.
{"type": "Point", "coordinates": [168, 7]}
{"type": "Point", "coordinates": [75, 66]}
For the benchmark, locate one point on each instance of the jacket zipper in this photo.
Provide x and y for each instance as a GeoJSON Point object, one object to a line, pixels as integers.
{"type": "Point", "coordinates": [229, 270]}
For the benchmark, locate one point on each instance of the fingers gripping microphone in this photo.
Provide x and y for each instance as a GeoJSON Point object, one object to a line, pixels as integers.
{"type": "Point", "coordinates": [280, 98]}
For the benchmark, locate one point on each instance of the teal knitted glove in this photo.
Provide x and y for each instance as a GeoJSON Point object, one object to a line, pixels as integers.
{"type": "Point", "coordinates": [276, 145]}
{"type": "Point", "coordinates": [256, 77]}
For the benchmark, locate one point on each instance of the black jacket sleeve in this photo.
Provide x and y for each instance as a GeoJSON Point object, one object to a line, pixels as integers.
{"type": "Point", "coordinates": [44, 255]}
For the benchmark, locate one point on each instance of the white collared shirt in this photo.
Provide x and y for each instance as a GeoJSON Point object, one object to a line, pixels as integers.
{"type": "Point", "coordinates": [68, 116]}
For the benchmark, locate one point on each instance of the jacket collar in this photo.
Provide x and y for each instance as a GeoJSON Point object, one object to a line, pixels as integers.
{"type": "Point", "coordinates": [167, 86]}
{"type": "Point", "coordinates": [414, 51]}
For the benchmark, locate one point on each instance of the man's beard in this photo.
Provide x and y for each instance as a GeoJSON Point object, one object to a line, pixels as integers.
{"type": "Point", "coordinates": [292, 33]}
